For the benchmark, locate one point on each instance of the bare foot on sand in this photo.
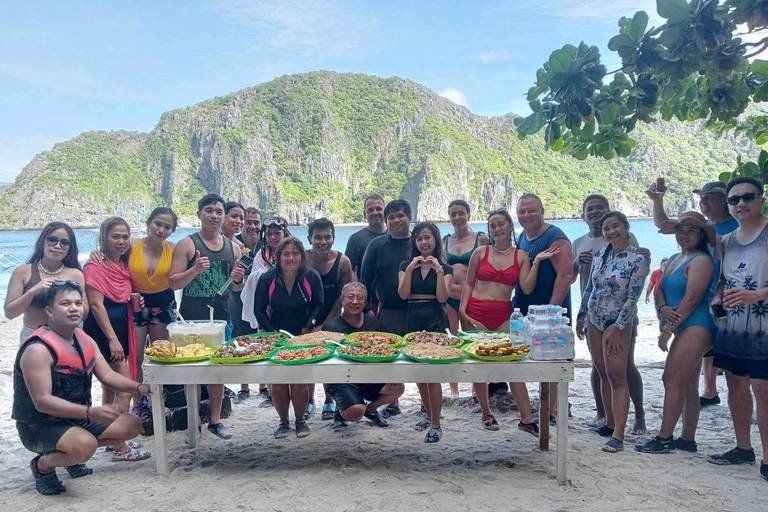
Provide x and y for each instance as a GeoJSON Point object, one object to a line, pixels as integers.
{"type": "Point", "coordinates": [639, 428]}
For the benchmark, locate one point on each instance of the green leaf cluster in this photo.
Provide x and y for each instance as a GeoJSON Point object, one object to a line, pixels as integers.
{"type": "Point", "coordinates": [692, 67]}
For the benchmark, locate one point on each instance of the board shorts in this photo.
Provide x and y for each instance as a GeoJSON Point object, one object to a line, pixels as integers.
{"type": "Point", "coordinates": [159, 308]}
{"type": "Point", "coordinates": [42, 437]}
{"type": "Point", "coordinates": [752, 368]}
{"type": "Point", "coordinates": [348, 395]}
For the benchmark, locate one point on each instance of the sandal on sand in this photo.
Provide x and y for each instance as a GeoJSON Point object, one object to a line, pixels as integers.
{"type": "Point", "coordinates": [423, 425]}
{"type": "Point", "coordinates": [302, 429]}
{"type": "Point", "coordinates": [376, 419]}
{"type": "Point", "coordinates": [131, 444]}
{"type": "Point", "coordinates": [490, 423]}
{"type": "Point", "coordinates": [433, 435]}
{"type": "Point", "coordinates": [657, 445]}
{"type": "Point", "coordinates": [282, 430]}
{"type": "Point", "coordinates": [47, 484]}
{"type": "Point", "coordinates": [734, 456]}
{"type": "Point", "coordinates": [613, 446]}
{"type": "Point", "coordinates": [130, 455]}
{"type": "Point", "coordinates": [532, 428]}
{"type": "Point", "coordinates": [329, 411]}
{"type": "Point", "coordinates": [309, 410]}
{"type": "Point", "coordinates": [78, 470]}
{"type": "Point", "coordinates": [685, 445]}
{"type": "Point", "coordinates": [603, 431]}
{"type": "Point", "coordinates": [388, 411]}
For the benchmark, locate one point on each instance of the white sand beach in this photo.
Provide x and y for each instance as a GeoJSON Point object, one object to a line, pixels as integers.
{"type": "Point", "coordinates": [368, 468]}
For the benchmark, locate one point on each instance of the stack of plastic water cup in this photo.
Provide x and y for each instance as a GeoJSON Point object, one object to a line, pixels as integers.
{"type": "Point", "coordinates": [548, 332]}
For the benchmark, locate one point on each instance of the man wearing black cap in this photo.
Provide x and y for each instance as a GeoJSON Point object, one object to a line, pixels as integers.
{"type": "Point", "coordinates": [714, 206]}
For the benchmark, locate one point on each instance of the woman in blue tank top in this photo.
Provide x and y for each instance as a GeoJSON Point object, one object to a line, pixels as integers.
{"type": "Point", "coordinates": [683, 301]}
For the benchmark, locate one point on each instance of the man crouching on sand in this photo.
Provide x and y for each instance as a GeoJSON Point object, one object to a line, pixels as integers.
{"type": "Point", "coordinates": [52, 393]}
{"type": "Point", "coordinates": [353, 401]}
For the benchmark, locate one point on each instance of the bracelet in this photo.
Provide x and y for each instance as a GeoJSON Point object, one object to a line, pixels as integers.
{"type": "Point", "coordinates": [237, 282]}
{"type": "Point", "coordinates": [660, 307]}
{"type": "Point", "coordinates": [87, 409]}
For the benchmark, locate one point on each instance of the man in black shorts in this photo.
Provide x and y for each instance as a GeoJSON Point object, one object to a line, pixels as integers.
{"type": "Point", "coordinates": [741, 347]}
{"type": "Point", "coordinates": [353, 401]}
{"type": "Point", "coordinates": [52, 393]}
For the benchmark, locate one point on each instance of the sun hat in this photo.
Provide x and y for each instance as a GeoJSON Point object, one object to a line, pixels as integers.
{"type": "Point", "coordinates": [713, 187]}
{"type": "Point", "coordinates": [691, 219]}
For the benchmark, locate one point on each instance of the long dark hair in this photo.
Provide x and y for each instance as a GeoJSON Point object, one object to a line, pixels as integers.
{"type": "Point", "coordinates": [504, 213]}
{"type": "Point", "coordinates": [70, 260]}
{"type": "Point", "coordinates": [104, 230]}
{"type": "Point", "coordinates": [623, 219]}
{"type": "Point", "coordinates": [437, 252]}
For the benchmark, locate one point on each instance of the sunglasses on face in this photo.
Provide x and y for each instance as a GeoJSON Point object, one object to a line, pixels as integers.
{"type": "Point", "coordinates": [65, 283]}
{"type": "Point", "coordinates": [748, 198]}
{"type": "Point", "coordinates": [52, 241]}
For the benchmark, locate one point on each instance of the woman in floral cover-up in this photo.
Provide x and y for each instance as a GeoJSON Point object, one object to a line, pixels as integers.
{"type": "Point", "coordinates": [609, 304]}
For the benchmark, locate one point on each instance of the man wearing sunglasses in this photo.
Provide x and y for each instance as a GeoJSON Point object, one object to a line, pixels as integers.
{"type": "Point", "coordinates": [741, 344]}
{"type": "Point", "coordinates": [52, 393]}
{"type": "Point", "coordinates": [713, 205]}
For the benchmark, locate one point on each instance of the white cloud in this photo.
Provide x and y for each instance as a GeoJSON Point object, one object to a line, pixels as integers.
{"type": "Point", "coordinates": [605, 10]}
{"type": "Point", "coordinates": [455, 96]}
{"type": "Point", "coordinates": [496, 56]}
{"type": "Point", "coordinates": [302, 27]}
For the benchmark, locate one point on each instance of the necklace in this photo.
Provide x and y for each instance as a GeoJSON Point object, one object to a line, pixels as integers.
{"type": "Point", "coordinates": [49, 272]}
{"type": "Point", "coordinates": [505, 250]}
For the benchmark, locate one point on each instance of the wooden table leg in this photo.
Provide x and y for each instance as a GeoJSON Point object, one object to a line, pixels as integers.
{"type": "Point", "coordinates": [544, 416]}
{"type": "Point", "coordinates": [158, 422]}
{"type": "Point", "coordinates": [562, 431]}
{"type": "Point", "coordinates": [192, 407]}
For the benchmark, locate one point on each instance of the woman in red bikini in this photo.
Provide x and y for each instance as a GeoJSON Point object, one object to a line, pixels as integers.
{"type": "Point", "coordinates": [494, 271]}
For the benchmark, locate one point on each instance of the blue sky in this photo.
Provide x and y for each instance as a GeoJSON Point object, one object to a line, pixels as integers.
{"type": "Point", "coordinates": [69, 67]}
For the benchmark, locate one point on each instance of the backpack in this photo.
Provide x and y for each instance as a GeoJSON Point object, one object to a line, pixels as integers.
{"type": "Point", "coordinates": [305, 289]}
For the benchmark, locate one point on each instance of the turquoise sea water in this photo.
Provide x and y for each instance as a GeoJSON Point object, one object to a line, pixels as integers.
{"type": "Point", "coordinates": [20, 244]}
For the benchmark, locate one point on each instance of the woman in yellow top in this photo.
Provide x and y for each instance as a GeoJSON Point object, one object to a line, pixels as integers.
{"type": "Point", "coordinates": [150, 264]}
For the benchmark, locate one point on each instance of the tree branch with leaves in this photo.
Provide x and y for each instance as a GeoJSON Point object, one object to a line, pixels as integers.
{"type": "Point", "coordinates": [693, 67]}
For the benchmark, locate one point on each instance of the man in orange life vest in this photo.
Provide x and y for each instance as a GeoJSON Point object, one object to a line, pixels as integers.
{"type": "Point", "coordinates": [52, 393]}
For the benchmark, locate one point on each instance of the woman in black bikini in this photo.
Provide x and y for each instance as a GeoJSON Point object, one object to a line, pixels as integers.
{"type": "Point", "coordinates": [463, 241]}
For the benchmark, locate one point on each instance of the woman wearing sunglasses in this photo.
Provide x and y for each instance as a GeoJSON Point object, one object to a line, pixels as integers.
{"type": "Point", "coordinates": [54, 258]}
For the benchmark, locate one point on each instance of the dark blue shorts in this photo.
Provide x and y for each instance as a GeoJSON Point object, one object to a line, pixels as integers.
{"type": "Point", "coordinates": [347, 395]}
{"type": "Point", "coordinates": [752, 368]}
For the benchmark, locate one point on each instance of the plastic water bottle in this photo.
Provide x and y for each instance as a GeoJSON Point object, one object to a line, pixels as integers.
{"type": "Point", "coordinates": [516, 322]}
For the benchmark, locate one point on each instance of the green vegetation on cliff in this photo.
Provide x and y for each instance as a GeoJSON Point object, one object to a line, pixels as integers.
{"type": "Point", "coordinates": [315, 144]}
